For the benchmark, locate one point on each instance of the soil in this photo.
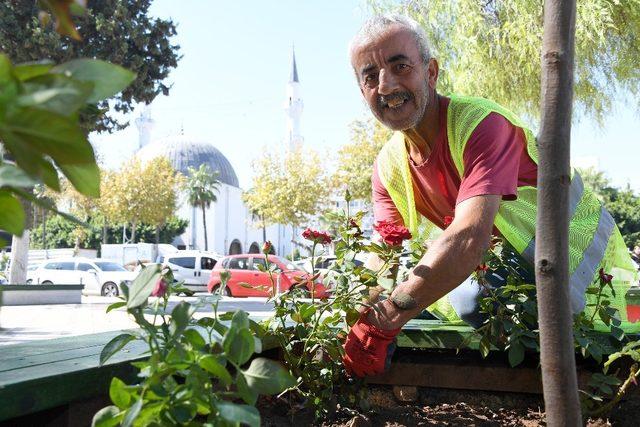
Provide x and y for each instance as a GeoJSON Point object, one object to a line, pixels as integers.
{"type": "Point", "coordinates": [438, 407]}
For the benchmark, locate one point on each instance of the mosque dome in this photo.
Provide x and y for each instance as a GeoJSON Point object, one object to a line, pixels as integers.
{"type": "Point", "coordinates": [184, 152]}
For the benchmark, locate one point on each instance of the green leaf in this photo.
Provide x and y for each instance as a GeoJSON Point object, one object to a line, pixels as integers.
{"type": "Point", "coordinates": [194, 338]}
{"type": "Point", "coordinates": [516, 354]}
{"type": "Point", "coordinates": [119, 394]}
{"type": "Point", "coordinates": [143, 285]}
{"type": "Point", "coordinates": [115, 345]}
{"type": "Point", "coordinates": [11, 214]}
{"type": "Point", "coordinates": [85, 178]}
{"type": "Point", "coordinates": [241, 414]}
{"type": "Point", "coordinates": [266, 376]}
{"type": "Point", "coordinates": [247, 394]}
{"type": "Point", "coordinates": [484, 346]}
{"type": "Point", "coordinates": [386, 282]}
{"type": "Point", "coordinates": [132, 413]}
{"type": "Point", "coordinates": [56, 93]}
{"type": "Point", "coordinates": [11, 176]}
{"type": "Point", "coordinates": [211, 364]}
{"type": "Point", "coordinates": [238, 345]}
{"type": "Point", "coordinates": [240, 320]}
{"type": "Point", "coordinates": [180, 316]}
{"type": "Point", "coordinates": [108, 79]}
{"type": "Point", "coordinates": [116, 305]}
{"type": "Point", "coordinates": [182, 413]}
{"type": "Point", "coordinates": [106, 417]}
{"type": "Point", "coordinates": [49, 133]}
{"type": "Point", "coordinates": [28, 70]}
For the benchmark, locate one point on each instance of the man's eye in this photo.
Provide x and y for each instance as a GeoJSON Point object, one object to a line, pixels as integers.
{"type": "Point", "coordinates": [370, 79]}
{"type": "Point", "coordinates": [402, 68]}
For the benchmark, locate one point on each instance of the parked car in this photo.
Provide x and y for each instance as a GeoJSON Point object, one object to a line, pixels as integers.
{"type": "Point", "coordinates": [31, 273]}
{"type": "Point", "coordinates": [99, 276]}
{"type": "Point", "coordinates": [192, 267]}
{"type": "Point", "coordinates": [244, 269]}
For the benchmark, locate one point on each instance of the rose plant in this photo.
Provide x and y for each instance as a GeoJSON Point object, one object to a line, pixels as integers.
{"type": "Point", "coordinates": [311, 332]}
{"type": "Point", "coordinates": [200, 370]}
{"type": "Point", "coordinates": [511, 325]}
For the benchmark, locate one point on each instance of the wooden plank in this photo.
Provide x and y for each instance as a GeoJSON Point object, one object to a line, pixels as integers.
{"type": "Point", "coordinates": [46, 374]}
{"type": "Point", "coordinates": [54, 345]}
{"type": "Point", "coordinates": [466, 371]}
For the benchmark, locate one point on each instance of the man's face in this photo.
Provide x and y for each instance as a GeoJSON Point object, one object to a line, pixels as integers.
{"type": "Point", "coordinates": [393, 78]}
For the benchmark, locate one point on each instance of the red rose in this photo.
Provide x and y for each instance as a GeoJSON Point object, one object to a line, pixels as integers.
{"type": "Point", "coordinates": [160, 289]}
{"type": "Point", "coordinates": [266, 247]}
{"type": "Point", "coordinates": [604, 277]}
{"type": "Point", "coordinates": [392, 234]}
{"type": "Point", "coordinates": [316, 236]}
{"type": "Point", "coordinates": [447, 221]}
{"type": "Point", "coordinates": [482, 267]}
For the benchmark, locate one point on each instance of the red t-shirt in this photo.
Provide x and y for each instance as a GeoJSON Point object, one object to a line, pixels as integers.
{"type": "Point", "coordinates": [495, 162]}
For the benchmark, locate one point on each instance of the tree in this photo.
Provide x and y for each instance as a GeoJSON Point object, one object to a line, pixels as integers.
{"type": "Point", "coordinates": [40, 132]}
{"type": "Point", "coordinates": [261, 198]}
{"type": "Point", "coordinates": [355, 160]}
{"type": "Point", "coordinates": [62, 233]}
{"type": "Point", "coordinates": [202, 184]}
{"type": "Point", "coordinates": [123, 202]}
{"type": "Point", "coordinates": [118, 31]}
{"type": "Point", "coordinates": [557, 352]}
{"type": "Point", "coordinates": [287, 190]}
{"type": "Point", "coordinates": [491, 48]}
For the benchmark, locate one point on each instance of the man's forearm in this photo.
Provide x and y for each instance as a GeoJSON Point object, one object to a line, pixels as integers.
{"type": "Point", "coordinates": [447, 263]}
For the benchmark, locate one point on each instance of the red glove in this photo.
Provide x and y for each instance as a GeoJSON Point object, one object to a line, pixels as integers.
{"type": "Point", "coordinates": [368, 349]}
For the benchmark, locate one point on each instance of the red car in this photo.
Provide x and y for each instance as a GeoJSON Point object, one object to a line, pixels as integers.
{"type": "Point", "coordinates": [244, 269]}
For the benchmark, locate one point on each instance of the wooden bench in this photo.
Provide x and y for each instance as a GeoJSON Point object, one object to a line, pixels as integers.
{"type": "Point", "coordinates": [50, 373]}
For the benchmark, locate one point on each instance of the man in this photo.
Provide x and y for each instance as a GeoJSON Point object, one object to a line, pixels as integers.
{"type": "Point", "coordinates": [454, 157]}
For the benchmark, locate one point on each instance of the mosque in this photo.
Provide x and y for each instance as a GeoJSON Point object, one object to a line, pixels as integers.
{"type": "Point", "coordinates": [230, 225]}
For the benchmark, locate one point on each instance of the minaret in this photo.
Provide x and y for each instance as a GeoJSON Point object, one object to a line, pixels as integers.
{"type": "Point", "coordinates": [145, 125]}
{"type": "Point", "coordinates": [293, 107]}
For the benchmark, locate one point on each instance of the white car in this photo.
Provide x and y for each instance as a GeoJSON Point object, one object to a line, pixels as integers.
{"type": "Point", "coordinates": [99, 276]}
{"type": "Point", "coordinates": [192, 267]}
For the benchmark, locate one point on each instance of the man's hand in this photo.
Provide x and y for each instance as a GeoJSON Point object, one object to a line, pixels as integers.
{"type": "Point", "coordinates": [368, 349]}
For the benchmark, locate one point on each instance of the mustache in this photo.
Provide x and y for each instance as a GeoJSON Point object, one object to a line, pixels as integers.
{"type": "Point", "coordinates": [384, 100]}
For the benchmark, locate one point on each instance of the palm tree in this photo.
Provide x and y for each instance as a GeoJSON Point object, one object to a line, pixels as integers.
{"type": "Point", "coordinates": [202, 184]}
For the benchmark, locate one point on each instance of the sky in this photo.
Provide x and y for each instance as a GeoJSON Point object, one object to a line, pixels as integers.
{"type": "Point", "coordinates": [229, 87]}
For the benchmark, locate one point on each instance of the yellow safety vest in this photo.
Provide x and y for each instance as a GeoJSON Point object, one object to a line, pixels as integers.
{"type": "Point", "coordinates": [594, 239]}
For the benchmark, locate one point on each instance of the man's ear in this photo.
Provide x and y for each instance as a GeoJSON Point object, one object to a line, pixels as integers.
{"type": "Point", "coordinates": [433, 71]}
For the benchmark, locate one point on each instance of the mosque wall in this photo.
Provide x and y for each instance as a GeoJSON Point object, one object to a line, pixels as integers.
{"type": "Point", "coordinates": [229, 221]}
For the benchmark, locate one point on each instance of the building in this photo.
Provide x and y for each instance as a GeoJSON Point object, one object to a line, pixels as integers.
{"type": "Point", "coordinates": [231, 228]}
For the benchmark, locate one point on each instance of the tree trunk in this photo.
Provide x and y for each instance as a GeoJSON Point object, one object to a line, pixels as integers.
{"type": "Point", "coordinates": [133, 231]}
{"type": "Point", "coordinates": [44, 229]}
{"type": "Point", "coordinates": [20, 248]}
{"type": "Point", "coordinates": [552, 224]}
{"type": "Point", "coordinates": [204, 226]}
{"type": "Point", "coordinates": [157, 234]}
{"type": "Point", "coordinates": [104, 233]}
{"type": "Point", "coordinates": [264, 229]}
{"type": "Point", "coordinates": [19, 258]}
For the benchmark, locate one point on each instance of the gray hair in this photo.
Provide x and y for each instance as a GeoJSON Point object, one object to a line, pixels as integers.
{"type": "Point", "coordinates": [378, 24]}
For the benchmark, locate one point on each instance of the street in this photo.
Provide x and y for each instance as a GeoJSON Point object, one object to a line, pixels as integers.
{"type": "Point", "coordinates": [20, 324]}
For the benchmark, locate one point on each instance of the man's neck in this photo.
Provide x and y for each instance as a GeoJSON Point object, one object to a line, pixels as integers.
{"type": "Point", "coordinates": [423, 136]}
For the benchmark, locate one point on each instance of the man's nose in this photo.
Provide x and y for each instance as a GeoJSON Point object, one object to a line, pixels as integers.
{"type": "Point", "coordinates": [388, 83]}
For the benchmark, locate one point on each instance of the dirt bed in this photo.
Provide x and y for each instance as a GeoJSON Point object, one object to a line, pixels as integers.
{"type": "Point", "coordinates": [437, 407]}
